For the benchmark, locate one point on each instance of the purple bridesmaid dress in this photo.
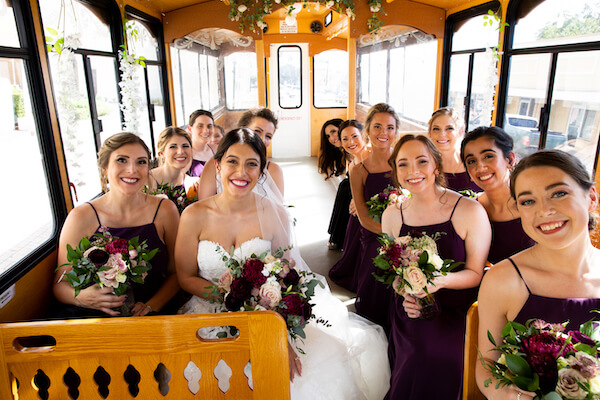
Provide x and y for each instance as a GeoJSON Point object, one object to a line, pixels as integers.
{"type": "Point", "coordinates": [372, 297]}
{"type": "Point", "coordinates": [574, 310]}
{"type": "Point", "coordinates": [460, 181]}
{"type": "Point", "coordinates": [344, 271]}
{"type": "Point", "coordinates": [426, 356]}
{"type": "Point", "coordinates": [508, 238]}
{"type": "Point", "coordinates": [196, 168]}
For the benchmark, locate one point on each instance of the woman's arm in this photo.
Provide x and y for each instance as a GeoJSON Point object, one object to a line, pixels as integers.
{"type": "Point", "coordinates": [207, 184]}
{"type": "Point", "coordinates": [358, 175]}
{"type": "Point", "coordinates": [498, 295]}
{"type": "Point", "coordinates": [166, 222]}
{"type": "Point", "coordinates": [81, 222]}
{"type": "Point", "coordinates": [472, 224]}
{"type": "Point", "coordinates": [186, 252]}
{"type": "Point", "coordinates": [277, 175]}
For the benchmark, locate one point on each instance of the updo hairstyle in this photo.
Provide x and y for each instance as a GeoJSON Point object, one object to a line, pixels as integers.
{"type": "Point", "coordinates": [111, 144]}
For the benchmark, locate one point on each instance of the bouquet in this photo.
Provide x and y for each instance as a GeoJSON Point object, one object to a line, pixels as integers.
{"type": "Point", "coordinates": [379, 202]}
{"type": "Point", "coordinates": [176, 194]}
{"type": "Point", "coordinates": [269, 282]}
{"type": "Point", "coordinates": [541, 357]}
{"type": "Point", "coordinates": [108, 261]}
{"type": "Point", "coordinates": [409, 263]}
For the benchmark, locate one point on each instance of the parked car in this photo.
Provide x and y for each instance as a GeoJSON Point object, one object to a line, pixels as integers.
{"type": "Point", "coordinates": [526, 135]}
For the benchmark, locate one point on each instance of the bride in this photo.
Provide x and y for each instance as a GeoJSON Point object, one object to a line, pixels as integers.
{"type": "Point", "coordinates": [345, 360]}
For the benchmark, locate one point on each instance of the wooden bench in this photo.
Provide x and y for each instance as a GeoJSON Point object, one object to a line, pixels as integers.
{"type": "Point", "coordinates": [153, 357]}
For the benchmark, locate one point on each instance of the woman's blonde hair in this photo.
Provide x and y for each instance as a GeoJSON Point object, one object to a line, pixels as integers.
{"type": "Point", "coordinates": [376, 109]}
{"type": "Point", "coordinates": [449, 111]}
{"type": "Point", "coordinates": [111, 144]}
{"type": "Point", "coordinates": [166, 135]}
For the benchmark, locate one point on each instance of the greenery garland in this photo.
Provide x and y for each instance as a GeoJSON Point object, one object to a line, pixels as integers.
{"type": "Point", "coordinates": [251, 13]}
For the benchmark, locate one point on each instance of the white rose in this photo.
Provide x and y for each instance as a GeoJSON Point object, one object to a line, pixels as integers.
{"type": "Point", "coordinates": [393, 198]}
{"type": "Point", "coordinates": [435, 260]}
{"type": "Point", "coordinates": [242, 8]}
{"type": "Point", "coordinates": [121, 277]}
{"type": "Point", "coordinates": [416, 278]}
{"type": "Point", "coordinates": [595, 384]}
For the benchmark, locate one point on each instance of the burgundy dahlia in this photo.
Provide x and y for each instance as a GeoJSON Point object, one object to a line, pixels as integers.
{"type": "Point", "coordinates": [98, 257]}
{"type": "Point", "coordinates": [240, 289]}
{"type": "Point", "coordinates": [253, 272]}
{"type": "Point", "coordinates": [292, 278]}
{"type": "Point", "coordinates": [294, 305]}
{"type": "Point", "coordinates": [118, 246]}
{"type": "Point", "coordinates": [383, 196]}
{"type": "Point", "coordinates": [233, 303]}
{"type": "Point", "coordinates": [394, 252]}
{"type": "Point", "coordinates": [547, 343]}
{"type": "Point", "coordinates": [544, 364]}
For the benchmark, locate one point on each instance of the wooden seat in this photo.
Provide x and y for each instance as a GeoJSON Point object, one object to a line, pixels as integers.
{"type": "Point", "coordinates": [470, 389]}
{"type": "Point", "coordinates": [88, 358]}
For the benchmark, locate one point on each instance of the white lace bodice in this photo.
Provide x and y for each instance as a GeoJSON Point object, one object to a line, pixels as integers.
{"type": "Point", "coordinates": [210, 256]}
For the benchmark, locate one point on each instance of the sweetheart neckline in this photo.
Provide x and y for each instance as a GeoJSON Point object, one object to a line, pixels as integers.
{"type": "Point", "coordinates": [236, 248]}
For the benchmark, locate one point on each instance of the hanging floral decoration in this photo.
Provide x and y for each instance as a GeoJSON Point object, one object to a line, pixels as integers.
{"type": "Point", "coordinates": [130, 84]}
{"type": "Point", "coordinates": [251, 13]}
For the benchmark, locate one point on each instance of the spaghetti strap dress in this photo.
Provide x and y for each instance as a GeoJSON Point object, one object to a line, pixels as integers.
{"type": "Point", "coordinates": [508, 238]}
{"type": "Point", "coordinates": [372, 297]}
{"type": "Point", "coordinates": [426, 356]}
{"type": "Point", "coordinates": [340, 214]}
{"type": "Point", "coordinates": [460, 181]}
{"type": "Point", "coordinates": [344, 272]}
{"type": "Point", "coordinates": [156, 275]}
{"type": "Point", "coordinates": [198, 166]}
{"type": "Point", "coordinates": [575, 310]}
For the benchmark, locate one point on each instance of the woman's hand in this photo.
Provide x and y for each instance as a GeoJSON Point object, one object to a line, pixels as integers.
{"type": "Point", "coordinates": [140, 309]}
{"type": "Point", "coordinates": [352, 208]}
{"type": "Point", "coordinates": [511, 393]}
{"type": "Point", "coordinates": [412, 306]}
{"type": "Point", "coordinates": [437, 284]}
{"type": "Point", "coordinates": [100, 298]}
{"type": "Point", "coordinates": [295, 364]}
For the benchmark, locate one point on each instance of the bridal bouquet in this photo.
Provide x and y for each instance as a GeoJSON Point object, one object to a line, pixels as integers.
{"type": "Point", "coordinates": [108, 261]}
{"type": "Point", "coordinates": [176, 194]}
{"type": "Point", "coordinates": [542, 358]}
{"type": "Point", "coordinates": [409, 263]}
{"type": "Point", "coordinates": [269, 282]}
{"type": "Point", "coordinates": [380, 201]}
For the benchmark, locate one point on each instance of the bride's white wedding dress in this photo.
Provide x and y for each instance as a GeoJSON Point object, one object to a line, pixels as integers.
{"type": "Point", "coordinates": [345, 361]}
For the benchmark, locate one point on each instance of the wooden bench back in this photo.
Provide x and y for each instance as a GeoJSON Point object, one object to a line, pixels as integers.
{"type": "Point", "coordinates": [470, 388]}
{"type": "Point", "coordinates": [84, 352]}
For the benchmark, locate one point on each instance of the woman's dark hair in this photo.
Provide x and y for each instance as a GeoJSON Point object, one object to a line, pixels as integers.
{"type": "Point", "coordinates": [243, 136]}
{"type": "Point", "coordinates": [264, 113]}
{"type": "Point", "coordinates": [331, 159]}
{"type": "Point", "coordinates": [433, 150]}
{"type": "Point", "coordinates": [566, 162]}
{"type": "Point", "coordinates": [198, 113]}
{"type": "Point", "coordinates": [501, 139]}
{"type": "Point", "coordinates": [111, 144]}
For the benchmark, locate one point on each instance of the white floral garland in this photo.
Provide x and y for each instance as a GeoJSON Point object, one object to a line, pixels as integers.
{"type": "Point", "coordinates": [131, 104]}
{"type": "Point", "coordinates": [491, 78]}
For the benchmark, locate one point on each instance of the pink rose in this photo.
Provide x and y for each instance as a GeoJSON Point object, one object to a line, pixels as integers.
{"type": "Point", "coordinates": [567, 385]}
{"type": "Point", "coordinates": [403, 240]}
{"type": "Point", "coordinates": [107, 278]}
{"type": "Point", "coordinates": [133, 253]}
{"type": "Point", "coordinates": [270, 295]}
{"type": "Point", "coordinates": [416, 279]}
{"type": "Point", "coordinates": [225, 280]}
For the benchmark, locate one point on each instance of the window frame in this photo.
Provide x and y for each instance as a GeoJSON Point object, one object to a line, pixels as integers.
{"type": "Point", "coordinates": [451, 22]}
{"type": "Point", "coordinates": [29, 53]}
{"type": "Point", "coordinates": [553, 51]}
{"type": "Point", "coordinates": [279, 79]}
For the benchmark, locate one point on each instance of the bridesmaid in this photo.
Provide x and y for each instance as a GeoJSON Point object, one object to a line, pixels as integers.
{"type": "Point", "coordinates": [344, 271]}
{"type": "Point", "coordinates": [217, 136]}
{"type": "Point", "coordinates": [488, 155]}
{"type": "Point", "coordinates": [426, 355]}
{"type": "Point", "coordinates": [201, 127]}
{"type": "Point", "coordinates": [127, 212]}
{"type": "Point", "coordinates": [175, 156]}
{"type": "Point", "coordinates": [558, 279]}
{"type": "Point", "coordinates": [370, 177]}
{"type": "Point", "coordinates": [331, 158]}
{"type": "Point", "coordinates": [446, 130]}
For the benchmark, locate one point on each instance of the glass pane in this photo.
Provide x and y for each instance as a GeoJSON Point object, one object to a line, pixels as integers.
{"type": "Point", "coordinates": [27, 219]}
{"type": "Point", "coordinates": [107, 100]}
{"type": "Point", "coordinates": [457, 85]}
{"type": "Point", "coordinates": [331, 79]}
{"type": "Point", "coordinates": [177, 86]}
{"type": "Point", "coordinates": [378, 77]}
{"type": "Point", "coordinates": [241, 87]}
{"type": "Point", "coordinates": [68, 81]}
{"type": "Point", "coordinates": [85, 27]}
{"type": "Point", "coordinates": [189, 81]}
{"type": "Point", "coordinates": [574, 118]}
{"type": "Point", "coordinates": [555, 22]}
{"type": "Point", "coordinates": [412, 70]}
{"type": "Point", "coordinates": [290, 78]}
{"type": "Point", "coordinates": [8, 27]}
{"type": "Point", "coordinates": [204, 82]}
{"type": "Point", "coordinates": [364, 78]}
{"type": "Point", "coordinates": [527, 87]}
{"type": "Point", "coordinates": [156, 98]}
{"type": "Point", "coordinates": [482, 90]}
{"type": "Point", "coordinates": [213, 80]}
{"type": "Point", "coordinates": [144, 44]}
{"type": "Point", "coordinates": [472, 34]}
{"type": "Point", "coordinates": [144, 129]}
